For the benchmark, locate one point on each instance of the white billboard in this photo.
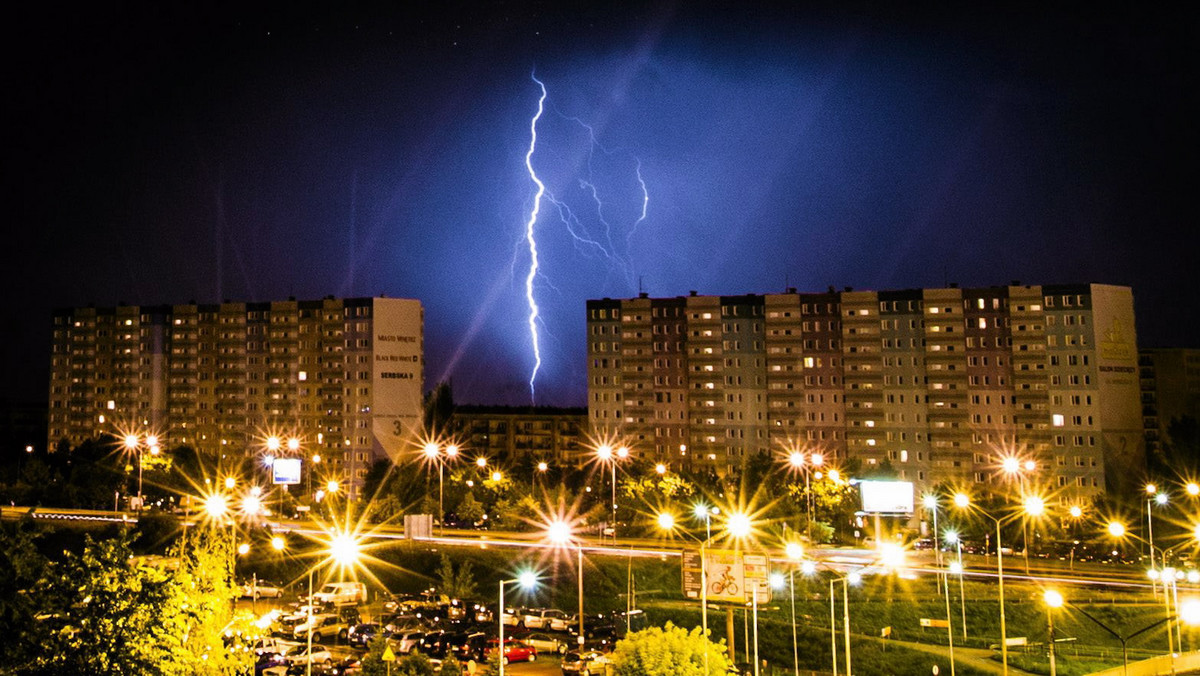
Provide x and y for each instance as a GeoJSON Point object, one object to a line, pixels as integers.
{"type": "Point", "coordinates": [886, 497]}
{"type": "Point", "coordinates": [286, 471]}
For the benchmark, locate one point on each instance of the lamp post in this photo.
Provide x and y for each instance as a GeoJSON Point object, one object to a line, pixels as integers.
{"type": "Point", "coordinates": [560, 533]}
{"type": "Point", "coordinates": [795, 553]}
{"type": "Point", "coordinates": [1054, 601]}
{"type": "Point", "coordinates": [526, 580]}
{"type": "Point", "coordinates": [607, 454]}
{"type": "Point", "coordinates": [343, 551]}
{"type": "Point", "coordinates": [956, 568]}
{"type": "Point", "coordinates": [963, 501]}
{"type": "Point", "coordinates": [931, 503]}
{"type": "Point", "coordinates": [1188, 615]}
{"type": "Point", "coordinates": [805, 463]}
{"type": "Point", "coordinates": [1116, 529]}
{"type": "Point", "coordinates": [433, 452]}
{"type": "Point", "coordinates": [737, 526]}
{"type": "Point", "coordinates": [853, 577]}
{"type": "Point", "coordinates": [133, 445]}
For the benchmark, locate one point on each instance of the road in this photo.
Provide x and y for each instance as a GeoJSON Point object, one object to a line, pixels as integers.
{"type": "Point", "coordinates": [1046, 571]}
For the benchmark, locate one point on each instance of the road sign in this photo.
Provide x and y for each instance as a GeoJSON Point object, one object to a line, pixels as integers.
{"type": "Point", "coordinates": [734, 576]}
{"type": "Point", "coordinates": [936, 624]}
{"type": "Point", "coordinates": [388, 655]}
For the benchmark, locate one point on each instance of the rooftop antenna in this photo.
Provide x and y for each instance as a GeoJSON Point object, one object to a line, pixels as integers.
{"type": "Point", "coordinates": [640, 289]}
{"type": "Point", "coordinates": [786, 282]}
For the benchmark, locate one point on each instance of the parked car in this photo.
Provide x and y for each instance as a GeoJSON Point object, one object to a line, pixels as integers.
{"type": "Point", "coordinates": [469, 646]}
{"type": "Point", "coordinates": [432, 642]}
{"type": "Point", "coordinates": [483, 614]}
{"type": "Point", "coordinates": [348, 666]}
{"type": "Point", "coordinates": [543, 618]}
{"type": "Point", "coordinates": [341, 593]}
{"type": "Point", "coordinates": [261, 589]}
{"type": "Point", "coordinates": [512, 616]}
{"type": "Point", "coordinates": [286, 623]}
{"type": "Point", "coordinates": [403, 642]}
{"type": "Point", "coordinates": [359, 635]}
{"type": "Point", "coordinates": [319, 655]}
{"type": "Point", "coordinates": [268, 663]}
{"type": "Point", "coordinates": [585, 663]}
{"type": "Point", "coordinates": [545, 643]}
{"type": "Point", "coordinates": [514, 651]}
{"type": "Point", "coordinates": [271, 644]}
{"type": "Point", "coordinates": [325, 625]}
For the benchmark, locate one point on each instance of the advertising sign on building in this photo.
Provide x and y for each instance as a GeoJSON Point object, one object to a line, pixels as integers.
{"type": "Point", "coordinates": [286, 471]}
{"type": "Point", "coordinates": [886, 497]}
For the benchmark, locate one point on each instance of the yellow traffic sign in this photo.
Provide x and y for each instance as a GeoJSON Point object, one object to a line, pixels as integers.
{"type": "Point", "coordinates": [388, 655]}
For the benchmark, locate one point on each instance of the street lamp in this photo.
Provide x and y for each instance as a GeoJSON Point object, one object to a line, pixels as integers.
{"type": "Point", "coordinates": [527, 580]}
{"type": "Point", "coordinates": [133, 445]}
{"type": "Point", "coordinates": [560, 533]}
{"type": "Point", "coordinates": [956, 568]}
{"type": "Point", "coordinates": [433, 453]}
{"type": "Point", "coordinates": [805, 463]}
{"type": "Point", "coordinates": [1054, 601]}
{"type": "Point", "coordinates": [963, 501]}
{"type": "Point", "coordinates": [607, 454]}
{"type": "Point", "coordinates": [794, 552]}
{"type": "Point", "coordinates": [737, 526]}
{"type": "Point", "coordinates": [342, 550]}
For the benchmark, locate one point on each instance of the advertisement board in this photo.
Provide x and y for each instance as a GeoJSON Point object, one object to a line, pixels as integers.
{"type": "Point", "coordinates": [733, 576]}
{"type": "Point", "coordinates": [286, 471]}
{"type": "Point", "coordinates": [886, 497]}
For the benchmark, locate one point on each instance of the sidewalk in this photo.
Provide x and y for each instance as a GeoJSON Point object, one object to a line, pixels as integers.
{"type": "Point", "coordinates": [976, 658]}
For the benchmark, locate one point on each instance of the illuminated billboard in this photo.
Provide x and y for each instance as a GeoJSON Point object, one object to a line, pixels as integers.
{"type": "Point", "coordinates": [286, 470]}
{"type": "Point", "coordinates": [886, 497]}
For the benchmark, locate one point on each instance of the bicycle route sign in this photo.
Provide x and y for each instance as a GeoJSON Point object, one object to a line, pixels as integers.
{"type": "Point", "coordinates": [734, 576]}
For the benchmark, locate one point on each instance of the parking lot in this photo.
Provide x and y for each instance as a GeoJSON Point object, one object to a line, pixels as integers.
{"type": "Point", "coordinates": [549, 643]}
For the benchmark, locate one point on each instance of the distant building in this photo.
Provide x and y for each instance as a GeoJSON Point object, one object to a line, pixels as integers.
{"type": "Point", "coordinates": [555, 435]}
{"type": "Point", "coordinates": [344, 376]}
{"type": "Point", "coordinates": [939, 383]}
{"type": "Point", "coordinates": [1170, 379]}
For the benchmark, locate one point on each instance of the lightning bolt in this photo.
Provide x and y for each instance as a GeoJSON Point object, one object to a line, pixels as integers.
{"type": "Point", "coordinates": [587, 240]}
{"type": "Point", "coordinates": [532, 241]}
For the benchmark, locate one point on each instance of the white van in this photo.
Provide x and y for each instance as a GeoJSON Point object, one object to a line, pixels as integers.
{"type": "Point", "coordinates": [341, 593]}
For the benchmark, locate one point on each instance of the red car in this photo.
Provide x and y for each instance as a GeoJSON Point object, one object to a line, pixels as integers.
{"type": "Point", "coordinates": [514, 651]}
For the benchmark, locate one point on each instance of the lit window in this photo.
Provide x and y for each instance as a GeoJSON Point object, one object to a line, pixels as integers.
{"type": "Point", "coordinates": [808, 362]}
{"type": "Point", "coordinates": [111, 405]}
{"type": "Point", "coordinates": [303, 375]}
{"type": "Point", "coordinates": [1058, 419]}
{"type": "Point", "coordinates": [982, 323]}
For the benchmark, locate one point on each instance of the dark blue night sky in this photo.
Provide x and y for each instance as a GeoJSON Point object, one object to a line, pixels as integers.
{"type": "Point", "coordinates": [165, 155]}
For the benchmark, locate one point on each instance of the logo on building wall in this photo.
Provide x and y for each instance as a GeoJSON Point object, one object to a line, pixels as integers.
{"type": "Point", "coordinates": [1115, 345]}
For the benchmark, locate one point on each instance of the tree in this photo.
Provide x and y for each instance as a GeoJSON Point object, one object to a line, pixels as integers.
{"type": "Point", "coordinates": [439, 409]}
{"type": "Point", "coordinates": [451, 666]}
{"type": "Point", "coordinates": [115, 614]}
{"type": "Point", "coordinates": [372, 662]}
{"type": "Point", "coordinates": [469, 510]}
{"type": "Point", "coordinates": [20, 567]}
{"type": "Point", "coordinates": [668, 651]}
{"type": "Point", "coordinates": [460, 583]}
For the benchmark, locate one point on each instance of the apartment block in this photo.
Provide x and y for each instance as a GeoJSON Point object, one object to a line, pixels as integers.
{"type": "Point", "coordinates": [344, 376]}
{"type": "Point", "coordinates": [541, 434]}
{"type": "Point", "coordinates": [1170, 381]}
{"type": "Point", "coordinates": [940, 384]}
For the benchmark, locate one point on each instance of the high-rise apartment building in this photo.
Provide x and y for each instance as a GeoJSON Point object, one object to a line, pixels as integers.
{"type": "Point", "coordinates": [1170, 390]}
{"type": "Point", "coordinates": [344, 376]}
{"type": "Point", "coordinates": [539, 433]}
{"type": "Point", "coordinates": [939, 383]}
